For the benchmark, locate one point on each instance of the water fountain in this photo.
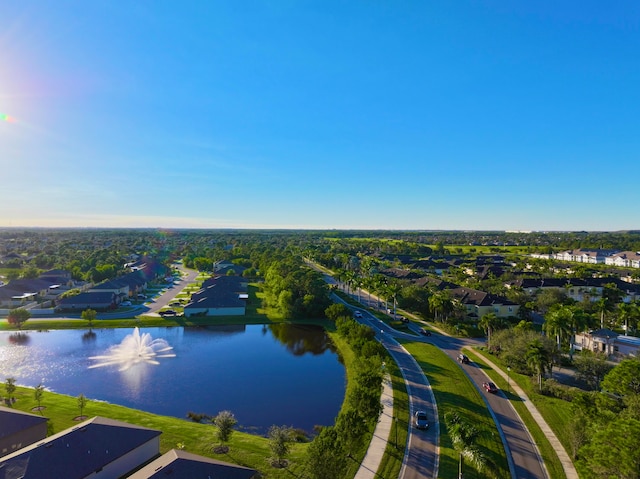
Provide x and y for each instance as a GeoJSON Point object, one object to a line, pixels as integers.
{"type": "Point", "coordinates": [134, 349]}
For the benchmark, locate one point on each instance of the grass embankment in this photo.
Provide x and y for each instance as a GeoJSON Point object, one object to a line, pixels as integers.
{"type": "Point", "coordinates": [556, 412]}
{"type": "Point", "coordinates": [454, 392]}
{"type": "Point", "coordinates": [245, 449]}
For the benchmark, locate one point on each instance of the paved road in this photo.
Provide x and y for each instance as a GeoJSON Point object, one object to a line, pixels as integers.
{"type": "Point", "coordinates": [421, 452]}
{"type": "Point", "coordinates": [522, 453]}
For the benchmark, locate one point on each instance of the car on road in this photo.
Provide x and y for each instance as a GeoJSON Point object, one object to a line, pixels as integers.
{"type": "Point", "coordinates": [168, 312]}
{"type": "Point", "coordinates": [490, 387]}
{"type": "Point", "coordinates": [402, 318]}
{"type": "Point", "coordinates": [463, 359]}
{"type": "Point", "coordinates": [357, 314]}
{"type": "Point", "coordinates": [420, 420]}
{"type": "Point", "coordinates": [425, 332]}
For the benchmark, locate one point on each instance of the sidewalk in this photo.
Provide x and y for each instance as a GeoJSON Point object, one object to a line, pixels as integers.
{"type": "Point", "coordinates": [567, 464]}
{"type": "Point", "coordinates": [375, 452]}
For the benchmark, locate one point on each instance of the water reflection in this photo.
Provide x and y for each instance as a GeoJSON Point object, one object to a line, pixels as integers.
{"type": "Point", "coordinates": [300, 340]}
{"type": "Point", "coordinates": [21, 339]}
{"type": "Point", "coordinates": [88, 336]}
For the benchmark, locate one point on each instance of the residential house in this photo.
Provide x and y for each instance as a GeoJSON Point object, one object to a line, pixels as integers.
{"type": "Point", "coordinates": [19, 429]}
{"type": "Point", "coordinates": [96, 448]}
{"type": "Point", "coordinates": [219, 296]}
{"type": "Point", "coordinates": [97, 300]}
{"type": "Point", "coordinates": [177, 464]}
{"type": "Point", "coordinates": [478, 303]}
{"type": "Point", "coordinates": [616, 346]}
{"type": "Point", "coordinates": [600, 340]}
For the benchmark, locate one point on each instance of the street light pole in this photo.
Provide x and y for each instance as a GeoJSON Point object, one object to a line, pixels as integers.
{"type": "Point", "coordinates": [508, 379]}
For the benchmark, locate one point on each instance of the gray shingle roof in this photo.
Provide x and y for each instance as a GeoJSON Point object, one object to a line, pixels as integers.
{"type": "Point", "coordinates": [77, 452]}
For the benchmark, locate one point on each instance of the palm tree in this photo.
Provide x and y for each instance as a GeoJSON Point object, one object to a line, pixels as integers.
{"type": "Point", "coordinates": [490, 322]}
{"type": "Point", "coordinates": [394, 290]}
{"type": "Point", "coordinates": [557, 322]}
{"type": "Point", "coordinates": [441, 303]}
{"type": "Point", "coordinates": [538, 359]}
{"type": "Point", "coordinates": [603, 306]}
{"type": "Point", "coordinates": [627, 312]}
{"type": "Point", "coordinates": [464, 435]}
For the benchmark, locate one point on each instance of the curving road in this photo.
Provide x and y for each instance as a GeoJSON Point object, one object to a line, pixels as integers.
{"type": "Point", "coordinates": [421, 459]}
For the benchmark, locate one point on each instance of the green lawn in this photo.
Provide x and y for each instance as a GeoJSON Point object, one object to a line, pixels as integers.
{"type": "Point", "coordinates": [454, 392]}
{"type": "Point", "coordinates": [245, 449]}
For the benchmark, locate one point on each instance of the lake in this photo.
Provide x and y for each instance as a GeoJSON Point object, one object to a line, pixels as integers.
{"type": "Point", "coordinates": [277, 374]}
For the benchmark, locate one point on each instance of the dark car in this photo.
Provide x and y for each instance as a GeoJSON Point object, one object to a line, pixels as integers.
{"type": "Point", "coordinates": [425, 332]}
{"type": "Point", "coordinates": [490, 387]}
{"type": "Point", "coordinates": [463, 359]}
{"type": "Point", "coordinates": [168, 312]}
{"type": "Point", "coordinates": [420, 420]}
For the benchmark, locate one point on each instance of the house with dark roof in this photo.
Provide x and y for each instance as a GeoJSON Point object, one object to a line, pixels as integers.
{"type": "Point", "coordinates": [177, 464]}
{"type": "Point", "coordinates": [96, 448]}
{"type": "Point", "coordinates": [478, 303]}
{"type": "Point", "coordinates": [219, 296]}
{"type": "Point", "coordinates": [19, 429]}
{"type": "Point", "coordinates": [99, 301]}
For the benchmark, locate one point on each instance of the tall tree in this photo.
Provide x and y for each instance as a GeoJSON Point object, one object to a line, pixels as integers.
{"type": "Point", "coordinates": [557, 322]}
{"type": "Point", "coordinates": [489, 323]}
{"type": "Point", "coordinates": [538, 359]}
{"type": "Point", "coordinates": [628, 313]}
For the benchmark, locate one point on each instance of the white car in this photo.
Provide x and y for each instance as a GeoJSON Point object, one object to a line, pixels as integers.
{"type": "Point", "coordinates": [357, 314]}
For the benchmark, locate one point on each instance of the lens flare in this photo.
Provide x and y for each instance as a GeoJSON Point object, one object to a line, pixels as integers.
{"type": "Point", "coordinates": [7, 118]}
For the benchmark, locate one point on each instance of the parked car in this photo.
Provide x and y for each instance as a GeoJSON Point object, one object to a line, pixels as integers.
{"type": "Point", "coordinates": [463, 359]}
{"type": "Point", "coordinates": [420, 420]}
{"type": "Point", "coordinates": [402, 318]}
{"type": "Point", "coordinates": [175, 303]}
{"type": "Point", "coordinates": [125, 303]}
{"type": "Point", "coordinates": [425, 332]}
{"type": "Point", "coordinates": [142, 296]}
{"type": "Point", "coordinates": [490, 387]}
{"type": "Point", "coordinates": [357, 314]}
{"type": "Point", "coordinates": [168, 312]}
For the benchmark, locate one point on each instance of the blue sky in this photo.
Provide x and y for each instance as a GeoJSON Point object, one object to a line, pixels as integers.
{"type": "Point", "coordinates": [326, 114]}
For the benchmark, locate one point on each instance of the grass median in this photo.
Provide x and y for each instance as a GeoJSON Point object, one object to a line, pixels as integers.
{"type": "Point", "coordinates": [454, 392]}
